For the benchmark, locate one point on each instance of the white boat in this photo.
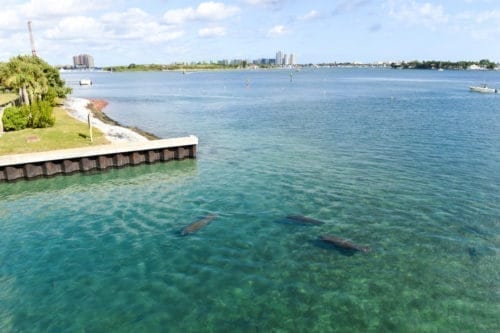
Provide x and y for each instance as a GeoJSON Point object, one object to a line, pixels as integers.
{"type": "Point", "coordinates": [483, 88]}
{"type": "Point", "coordinates": [85, 82]}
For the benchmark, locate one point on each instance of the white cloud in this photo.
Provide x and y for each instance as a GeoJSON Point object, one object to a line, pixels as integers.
{"type": "Point", "coordinates": [164, 36]}
{"type": "Point", "coordinates": [75, 27]}
{"type": "Point", "coordinates": [312, 15]}
{"type": "Point", "coordinates": [179, 16]}
{"type": "Point", "coordinates": [215, 10]}
{"type": "Point", "coordinates": [346, 6]}
{"type": "Point", "coordinates": [206, 11]}
{"type": "Point", "coordinates": [63, 28]}
{"type": "Point", "coordinates": [10, 20]}
{"type": "Point", "coordinates": [276, 31]}
{"type": "Point", "coordinates": [413, 12]}
{"type": "Point", "coordinates": [264, 2]}
{"type": "Point", "coordinates": [480, 25]}
{"type": "Point", "coordinates": [150, 32]}
{"type": "Point", "coordinates": [16, 41]}
{"type": "Point", "coordinates": [137, 24]}
{"type": "Point", "coordinates": [274, 5]}
{"type": "Point", "coordinates": [50, 8]}
{"type": "Point", "coordinates": [130, 25]}
{"type": "Point", "coordinates": [478, 1]}
{"type": "Point", "coordinates": [481, 17]}
{"type": "Point", "coordinates": [212, 32]}
{"type": "Point", "coordinates": [131, 16]}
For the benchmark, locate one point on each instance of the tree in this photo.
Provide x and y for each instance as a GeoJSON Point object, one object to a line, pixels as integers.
{"type": "Point", "coordinates": [17, 74]}
{"type": "Point", "coordinates": [33, 78]}
{"type": "Point", "coordinates": [25, 77]}
{"type": "Point", "coordinates": [39, 84]}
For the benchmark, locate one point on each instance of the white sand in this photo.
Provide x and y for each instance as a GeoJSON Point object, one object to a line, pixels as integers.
{"type": "Point", "coordinates": [77, 108]}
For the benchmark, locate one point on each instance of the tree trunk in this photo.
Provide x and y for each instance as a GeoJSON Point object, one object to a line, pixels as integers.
{"type": "Point", "coordinates": [26, 99]}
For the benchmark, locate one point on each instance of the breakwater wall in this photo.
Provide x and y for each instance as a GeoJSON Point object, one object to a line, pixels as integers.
{"type": "Point", "coordinates": [67, 161]}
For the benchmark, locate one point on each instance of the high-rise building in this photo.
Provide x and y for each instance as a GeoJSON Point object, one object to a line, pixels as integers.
{"type": "Point", "coordinates": [279, 58]}
{"type": "Point", "coordinates": [291, 60]}
{"type": "Point", "coordinates": [83, 61]}
{"type": "Point", "coordinates": [285, 60]}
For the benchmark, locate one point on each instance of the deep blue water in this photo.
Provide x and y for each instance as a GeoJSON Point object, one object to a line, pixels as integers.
{"type": "Point", "coordinates": [405, 162]}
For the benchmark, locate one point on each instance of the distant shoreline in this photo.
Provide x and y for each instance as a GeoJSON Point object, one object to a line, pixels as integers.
{"type": "Point", "coordinates": [364, 66]}
{"type": "Point", "coordinates": [483, 64]}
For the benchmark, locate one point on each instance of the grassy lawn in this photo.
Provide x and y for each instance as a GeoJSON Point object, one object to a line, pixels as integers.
{"type": "Point", "coordinates": [6, 98]}
{"type": "Point", "coordinates": [66, 133]}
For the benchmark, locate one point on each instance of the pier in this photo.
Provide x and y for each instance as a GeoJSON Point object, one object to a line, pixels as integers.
{"type": "Point", "coordinates": [68, 161]}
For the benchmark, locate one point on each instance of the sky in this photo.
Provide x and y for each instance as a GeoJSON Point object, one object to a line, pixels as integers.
{"type": "Point", "coordinates": [121, 32]}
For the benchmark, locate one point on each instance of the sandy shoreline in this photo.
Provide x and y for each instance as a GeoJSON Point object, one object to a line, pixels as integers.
{"type": "Point", "coordinates": [77, 108]}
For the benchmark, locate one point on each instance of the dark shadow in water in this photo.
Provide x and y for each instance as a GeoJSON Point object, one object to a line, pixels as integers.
{"type": "Point", "coordinates": [476, 253]}
{"type": "Point", "coordinates": [328, 246]}
{"type": "Point", "coordinates": [144, 173]}
{"type": "Point", "coordinates": [476, 231]}
{"type": "Point", "coordinates": [286, 220]}
{"type": "Point", "coordinates": [471, 250]}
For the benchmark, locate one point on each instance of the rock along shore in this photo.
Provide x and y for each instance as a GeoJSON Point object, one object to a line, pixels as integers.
{"type": "Point", "coordinates": [78, 109]}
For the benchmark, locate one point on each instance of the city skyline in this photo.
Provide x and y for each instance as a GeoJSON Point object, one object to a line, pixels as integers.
{"type": "Point", "coordinates": [159, 31]}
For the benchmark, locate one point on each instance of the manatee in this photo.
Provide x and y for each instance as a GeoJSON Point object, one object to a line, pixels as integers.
{"type": "Point", "coordinates": [195, 226]}
{"type": "Point", "coordinates": [343, 243]}
{"type": "Point", "coordinates": [304, 220]}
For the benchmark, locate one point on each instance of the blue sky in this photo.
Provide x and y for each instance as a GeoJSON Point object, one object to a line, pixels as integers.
{"type": "Point", "coordinates": [118, 32]}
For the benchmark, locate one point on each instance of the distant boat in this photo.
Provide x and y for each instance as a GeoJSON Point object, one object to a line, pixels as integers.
{"type": "Point", "coordinates": [85, 82]}
{"type": "Point", "coordinates": [483, 88]}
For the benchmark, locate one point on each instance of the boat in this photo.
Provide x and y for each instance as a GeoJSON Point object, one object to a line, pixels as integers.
{"type": "Point", "coordinates": [483, 88]}
{"type": "Point", "coordinates": [85, 82]}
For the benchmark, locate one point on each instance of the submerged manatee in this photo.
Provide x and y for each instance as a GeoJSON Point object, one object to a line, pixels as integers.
{"type": "Point", "coordinates": [343, 243]}
{"type": "Point", "coordinates": [304, 220]}
{"type": "Point", "coordinates": [195, 226]}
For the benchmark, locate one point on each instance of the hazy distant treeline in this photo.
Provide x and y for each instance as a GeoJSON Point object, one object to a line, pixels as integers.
{"type": "Point", "coordinates": [434, 64]}
{"type": "Point", "coordinates": [157, 67]}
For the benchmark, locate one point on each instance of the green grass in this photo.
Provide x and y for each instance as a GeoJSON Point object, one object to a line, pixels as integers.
{"type": "Point", "coordinates": [8, 97]}
{"type": "Point", "coordinates": [66, 133]}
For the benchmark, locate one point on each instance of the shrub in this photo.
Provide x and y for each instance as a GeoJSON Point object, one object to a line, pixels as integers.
{"type": "Point", "coordinates": [15, 118]}
{"type": "Point", "coordinates": [38, 115]}
{"type": "Point", "coordinates": [41, 115]}
{"type": "Point", "coordinates": [51, 96]}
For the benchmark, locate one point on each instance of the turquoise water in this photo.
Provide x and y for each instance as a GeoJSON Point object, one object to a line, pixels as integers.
{"type": "Point", "coordinates": [405, 162]}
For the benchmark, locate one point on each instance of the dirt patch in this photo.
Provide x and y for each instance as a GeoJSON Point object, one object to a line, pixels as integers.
{"type": "Point", "coordinates": [99, 104]}
{"type": "Point", "coordinates": [32, 138]}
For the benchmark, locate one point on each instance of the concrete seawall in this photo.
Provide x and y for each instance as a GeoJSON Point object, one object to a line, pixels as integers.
{"type": "Point", "coordinates": [67, 161]}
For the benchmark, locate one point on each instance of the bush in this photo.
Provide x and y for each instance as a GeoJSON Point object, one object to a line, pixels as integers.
{"type": "Point", "coordinates": [15, 118]}
{"type": "Point", "coordinates": [38, 115]}
{"type": "Point", "coordinates": [51, 96]}
{"type": "Point", "coordinates": [41, 115]}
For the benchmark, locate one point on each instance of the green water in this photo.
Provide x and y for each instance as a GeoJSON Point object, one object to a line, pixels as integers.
{"type": "Point", "coordinates": [405, 162]}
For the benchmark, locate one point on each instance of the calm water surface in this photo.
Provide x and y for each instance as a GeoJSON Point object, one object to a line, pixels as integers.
{"type": "Point", "coordinates": [405, 162]}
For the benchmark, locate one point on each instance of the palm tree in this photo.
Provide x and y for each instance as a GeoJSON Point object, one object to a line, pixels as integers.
{"type": "Point", "coordinates": [28, 78]}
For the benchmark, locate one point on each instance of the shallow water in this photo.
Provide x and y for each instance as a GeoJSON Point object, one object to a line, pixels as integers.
{"type": "Point", "coordinates": [405, 162]}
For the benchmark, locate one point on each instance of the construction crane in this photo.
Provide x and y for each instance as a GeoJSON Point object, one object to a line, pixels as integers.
{"type": "Point", "coordinates": [32, 40]}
